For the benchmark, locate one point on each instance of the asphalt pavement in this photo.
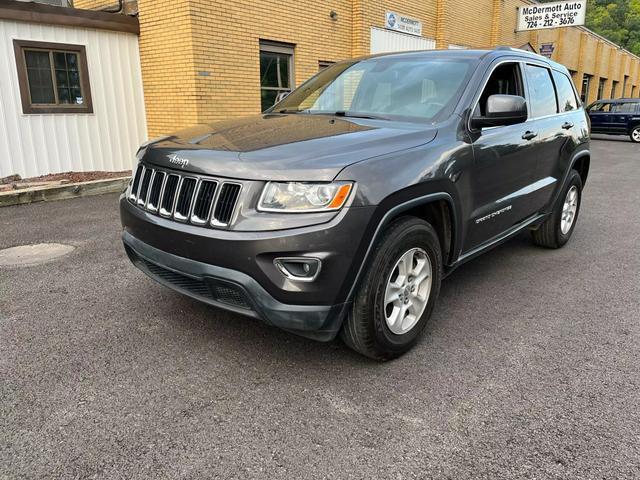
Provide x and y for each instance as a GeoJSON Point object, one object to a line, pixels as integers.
{"type": "Point", "coordinates": [529, 368]}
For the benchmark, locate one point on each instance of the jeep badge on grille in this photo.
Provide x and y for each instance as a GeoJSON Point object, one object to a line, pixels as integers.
{"type": "Point", "coordinates": [183, 162]}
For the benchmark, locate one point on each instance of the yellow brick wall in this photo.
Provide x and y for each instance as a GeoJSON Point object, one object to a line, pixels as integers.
{"type": "Point", "coordinates": [585, 53]}
{"type": "Point", "coordinates": [226, 42]}
{"type": "Point", "coordinates": [508, 23]}
{"type": "Point", "coordinates": [373, 15]}
{"type": "Point", "coordinates": [200, 58]}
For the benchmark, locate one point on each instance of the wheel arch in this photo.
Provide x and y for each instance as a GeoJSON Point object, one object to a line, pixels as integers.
{"type": "Point", "coordinates": [581, 164]}
{"type": "Point", "coordinates": [437, 208]}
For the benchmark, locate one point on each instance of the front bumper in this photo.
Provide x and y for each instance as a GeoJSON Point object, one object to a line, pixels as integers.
{"type": "Point", "coordinates": [232, 290]}
{"type": "Point", "coordinates": [234, 270]}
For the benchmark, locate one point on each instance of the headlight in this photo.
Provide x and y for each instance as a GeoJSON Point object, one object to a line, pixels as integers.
{"type": "Point", "coordinates": [304, 197]}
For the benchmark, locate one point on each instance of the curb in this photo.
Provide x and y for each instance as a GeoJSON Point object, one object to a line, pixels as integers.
{"type": "Point", "coordinates": [63, 192]}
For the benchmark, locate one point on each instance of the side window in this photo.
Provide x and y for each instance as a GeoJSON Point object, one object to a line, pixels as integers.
{"type": "Point", "coordinates": [601, 107]}
{"type": "Point", "coordinates": [542, 92]}
{"type": "Point", "coordinates": [566, 95]}
{"type": "Point", "coordinates": [505, 80]}
{"type": "Point", "coordinates": [625, 108]}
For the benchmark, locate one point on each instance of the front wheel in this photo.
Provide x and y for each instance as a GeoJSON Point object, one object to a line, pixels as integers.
{"type": "Point", "coordinates": [635, 134]}
{"type": "Point", "coordinates": [557, 229]}
{"type": "Point", "coordinates": [398, 291]}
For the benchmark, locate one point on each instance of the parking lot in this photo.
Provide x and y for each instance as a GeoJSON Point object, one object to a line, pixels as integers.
{"type": "Point", "coordinates": [528, 369]}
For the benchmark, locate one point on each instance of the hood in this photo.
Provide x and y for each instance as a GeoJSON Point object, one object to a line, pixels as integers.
{"type": "Point", "coordinates": [298, 147]}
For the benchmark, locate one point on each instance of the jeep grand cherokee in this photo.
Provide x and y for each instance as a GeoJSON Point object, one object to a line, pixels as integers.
{"type": "Point", "coordinates": [340, 209]}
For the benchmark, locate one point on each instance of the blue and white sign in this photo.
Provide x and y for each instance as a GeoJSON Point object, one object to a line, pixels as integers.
{"type": "Point", "coordinates": [402, 23]}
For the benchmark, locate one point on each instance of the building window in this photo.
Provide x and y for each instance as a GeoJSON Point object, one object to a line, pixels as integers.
{"type": "Point", "coordinates": [586, 83]}
{"type": "Point", "coordinates": [276, 72]}
{"type": "Point", "coordinates": [633, 91]}
{"type": "Point", "coordinates": [624, 85]}
{"type": "Point", "coordinates": [53, 77]}
{"type": "Point", "coordinates": [601, 83]}
{"type": "Point", "coordinates": [322, 64]}
{"type": "Point", "coordinates": [614, 88]}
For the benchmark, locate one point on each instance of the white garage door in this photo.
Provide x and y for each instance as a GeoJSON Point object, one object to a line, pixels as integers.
{"type": "Point", "coordinates": [384, 41]}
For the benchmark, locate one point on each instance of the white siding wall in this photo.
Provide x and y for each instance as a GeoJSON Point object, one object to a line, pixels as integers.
{"type": "Point", "coordinates": [107, 139]}
{"type": "Point", "coordinates": [385, 41]}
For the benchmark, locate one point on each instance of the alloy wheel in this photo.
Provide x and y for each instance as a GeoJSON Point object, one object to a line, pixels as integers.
{"type": "Point", "coordinates": [569, 210]}
{"type": "Point", "coordinates": [407, 292]}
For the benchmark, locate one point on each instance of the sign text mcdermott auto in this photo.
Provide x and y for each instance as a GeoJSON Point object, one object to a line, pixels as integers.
{"type": "Point", "coordinates": [551, 15]}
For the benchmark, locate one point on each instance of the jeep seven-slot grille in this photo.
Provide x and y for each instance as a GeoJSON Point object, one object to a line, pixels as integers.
{"type": "Point", "coordinates": [185, 198]}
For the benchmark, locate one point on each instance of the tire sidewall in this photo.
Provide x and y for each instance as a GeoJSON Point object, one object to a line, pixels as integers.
{"type": "Point", "coordinates": [419, 235]}
{"type": "Point", "coordinates": [634, 129]}
{"type": "Point", "coordinates": [574, 180]}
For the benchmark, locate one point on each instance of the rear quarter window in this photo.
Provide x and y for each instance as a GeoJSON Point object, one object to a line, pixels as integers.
{"type": "Point", "coordinates": [626, 108]}
{"type": "Point", "coordinates": [567, 100]}
{"type": "Point", "coordinates": [541, 91]}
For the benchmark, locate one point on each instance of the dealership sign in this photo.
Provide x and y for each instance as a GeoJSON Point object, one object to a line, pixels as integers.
{"type": "Point", "coordinates": [551, 15]}
{"type": "Point", "coordinates": [404, 24]}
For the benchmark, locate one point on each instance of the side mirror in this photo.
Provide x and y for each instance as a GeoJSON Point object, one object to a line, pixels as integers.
{"type": "Point", "coordinates": [502, 110]}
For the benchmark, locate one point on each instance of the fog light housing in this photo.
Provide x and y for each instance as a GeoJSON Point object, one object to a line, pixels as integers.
{"type": "Point", "coordinates": [301, 269]}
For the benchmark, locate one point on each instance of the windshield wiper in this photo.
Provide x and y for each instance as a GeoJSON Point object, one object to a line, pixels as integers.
{"type": "Point", "coordinates": [288, 110]}
{"type": "Point", "coordinates": [343, 113]}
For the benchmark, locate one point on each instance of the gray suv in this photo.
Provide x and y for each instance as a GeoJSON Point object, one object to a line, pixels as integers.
{"type": "Point", "coordinates": [342, 208]}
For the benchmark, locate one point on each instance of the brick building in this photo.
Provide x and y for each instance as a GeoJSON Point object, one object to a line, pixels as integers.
{"type": "Point", "coordinates": [205, 60]}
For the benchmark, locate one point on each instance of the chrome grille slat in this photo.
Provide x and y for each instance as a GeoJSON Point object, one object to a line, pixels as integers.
{"type": "Point", "coordinates": [155, 191]}
{"type": "Point", "coordinates": [143, 191]}
{"type": "Point", "coordinates": [135, 183]}
{"type": "Point", "coordinates": [169, 195]}
{"type": "Point", "coordinates": [203, 203]}
{"type": "Point", "coordinates": [225, 204]}
{"type": "Point", "coordinates": [186, 198]}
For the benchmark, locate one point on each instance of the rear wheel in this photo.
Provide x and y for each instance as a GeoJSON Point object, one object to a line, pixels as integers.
{"type": "Point", "coordinates": [398, 291]}
{"type": "Point", "coordinates": [557, 229]}
{"type": "Point", "coordinates": [635, 134]}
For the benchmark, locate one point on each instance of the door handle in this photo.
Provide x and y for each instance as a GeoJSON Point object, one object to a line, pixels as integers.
{"type": "Point", "coordinates": [567, 125]}
{"type": "Point", "coordinates": [529, 135]}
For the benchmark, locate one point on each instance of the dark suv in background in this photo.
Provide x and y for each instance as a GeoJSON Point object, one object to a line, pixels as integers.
{"type": "Point", "coordinates": [616, 117]}
{"type": "Point", "coordinates": [341, 209]}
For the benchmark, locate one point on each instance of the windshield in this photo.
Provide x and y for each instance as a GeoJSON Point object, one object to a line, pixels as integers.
{"type": "Point", "coordinates": [383, 87]}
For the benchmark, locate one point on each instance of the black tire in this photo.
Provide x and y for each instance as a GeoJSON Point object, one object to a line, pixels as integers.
{"type": "Point", "coordinates": [635, 132]}
{"type": "Point", "coordinates": [550, 234]}
{"type": "Point", "coordinates": [365, 330]}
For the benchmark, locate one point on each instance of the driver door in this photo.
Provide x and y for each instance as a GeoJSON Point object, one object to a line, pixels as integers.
{"type": "Point", "coordinates": [504, 164]}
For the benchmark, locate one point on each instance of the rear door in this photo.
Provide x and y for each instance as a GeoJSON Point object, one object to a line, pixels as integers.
{"type": "Point", "coordinates": [621, 117]}
{"type": "Point", "coordinates": [560, 136]}
{"type": "Point", "coordinates": [552, 129]}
